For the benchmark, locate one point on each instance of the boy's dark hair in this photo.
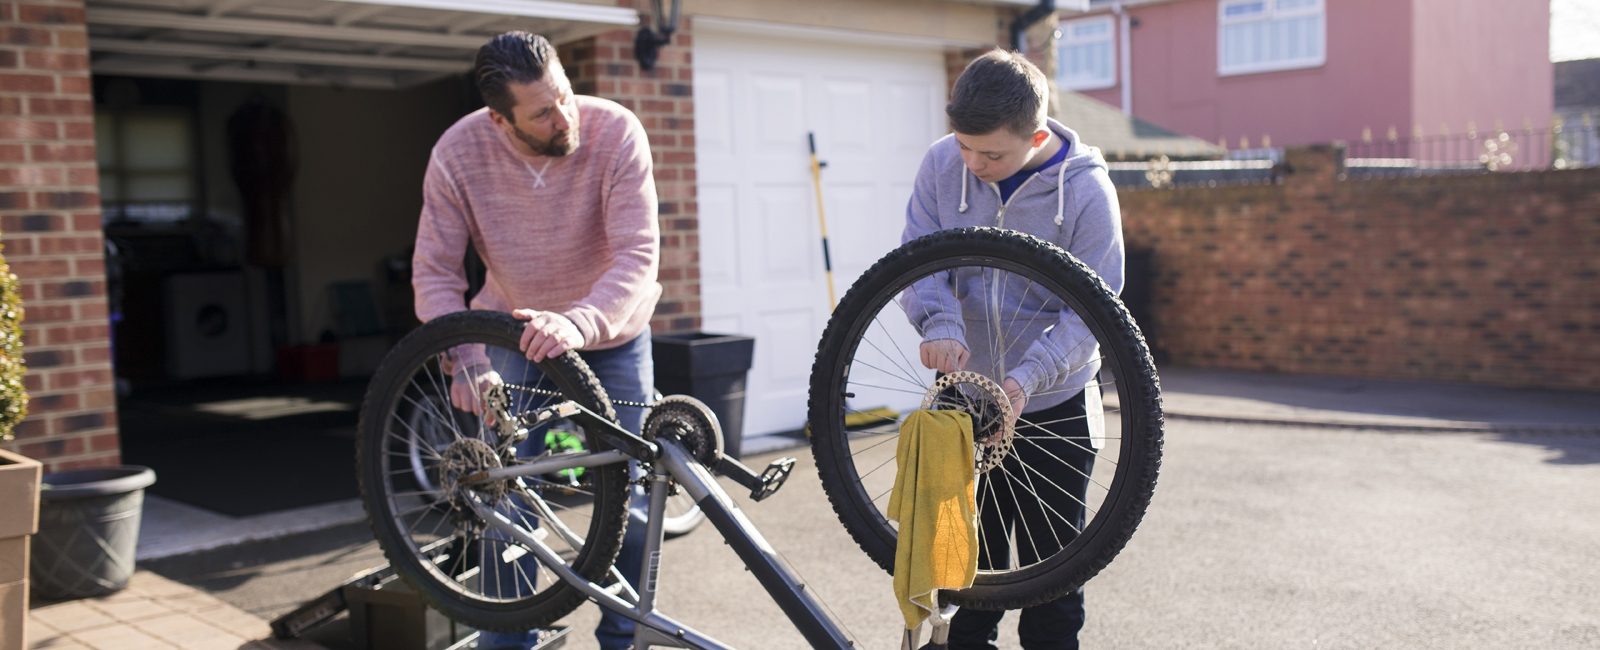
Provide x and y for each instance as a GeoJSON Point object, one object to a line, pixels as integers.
{"type": "Point", "coordinates": [999, 89]}
{"type": "Point", "coordinates": [512, 57]}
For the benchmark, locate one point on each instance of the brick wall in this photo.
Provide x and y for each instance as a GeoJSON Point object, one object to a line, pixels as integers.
{"type": "Point", "coordinates": [1489, 278]}
{"type": "Point", "coordinates": [663, 98]}
{"type": "Point", "coordinates": [50, 225]}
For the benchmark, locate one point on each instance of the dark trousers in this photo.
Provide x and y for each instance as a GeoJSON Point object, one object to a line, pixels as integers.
{"type": "Point", "coordinates": [1037, 494]}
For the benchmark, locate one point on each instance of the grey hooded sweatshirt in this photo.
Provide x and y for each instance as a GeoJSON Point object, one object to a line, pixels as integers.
{"type": "Point", "coordinates": [1044, 346]}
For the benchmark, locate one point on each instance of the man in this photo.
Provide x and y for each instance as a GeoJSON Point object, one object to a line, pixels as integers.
{"type": "Point", "coordinates": [1010, 166]}
{"type": "Point", "coordinates": [554, 191]}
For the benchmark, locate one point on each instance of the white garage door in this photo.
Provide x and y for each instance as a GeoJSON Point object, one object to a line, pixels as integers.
{"type": "Point", "coordinates": [874, 109]}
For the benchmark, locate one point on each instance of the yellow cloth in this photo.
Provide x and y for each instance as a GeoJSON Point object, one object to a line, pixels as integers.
{"type": "Point", "coordinates": [934, 503]}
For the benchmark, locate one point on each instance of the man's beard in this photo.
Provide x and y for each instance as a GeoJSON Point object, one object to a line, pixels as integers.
{"type": "Point", "coordinates": [558, 145]}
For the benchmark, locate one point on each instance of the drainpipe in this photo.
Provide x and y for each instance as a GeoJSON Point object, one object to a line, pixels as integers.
{"type": "Point", "coordinates": [1125, 56]}
{"type": "Point", "coordinates": [1026, 20]}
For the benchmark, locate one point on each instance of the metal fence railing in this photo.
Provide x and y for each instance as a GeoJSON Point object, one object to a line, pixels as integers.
{"type": "Point", "coordinates": [1564, 145]}
{"type": "Point", "coordinates": [1573, 141]}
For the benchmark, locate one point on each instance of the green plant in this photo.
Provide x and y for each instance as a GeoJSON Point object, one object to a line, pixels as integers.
{"type": "Point", "coordinates": [13, 396]}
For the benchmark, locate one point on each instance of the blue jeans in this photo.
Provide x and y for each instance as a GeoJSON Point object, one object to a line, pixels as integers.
{"type": "Point", "coordinates": [627, 373]}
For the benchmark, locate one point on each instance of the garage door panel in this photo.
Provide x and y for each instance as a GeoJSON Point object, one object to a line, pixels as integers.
{"type": "Point", "coordinates": [913, 122]}
{"type": "Point", "coordinates": [719, 232]}
{"type": "Point", "coordinates": [783, 218]}
{"type": "Point", "coordinates": [847, 125]}
{"type": "Point", "coordinates": [777, 103]}
{"type": "Point", "coordinates": [713, 107]}
{"type": "Point", "coordinates": [874, 110]}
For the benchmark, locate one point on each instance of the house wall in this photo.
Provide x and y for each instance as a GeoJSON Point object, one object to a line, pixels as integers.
{"type": "Point", "coordinates": [1365, 82]}
{"type": "Point", "coordinates": [1487, 278]}
{"type": "Point", "coordinates": [1481, 62]}
{"type": "Point", "coordinates": [50, 227]}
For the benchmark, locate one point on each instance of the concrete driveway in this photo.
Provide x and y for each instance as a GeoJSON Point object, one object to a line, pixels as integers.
{"type": "Point", "coordinates": [1259, 537]}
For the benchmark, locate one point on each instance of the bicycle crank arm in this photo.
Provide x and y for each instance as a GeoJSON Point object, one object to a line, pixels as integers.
{"type": "Point", "coordinates": [761, 486]}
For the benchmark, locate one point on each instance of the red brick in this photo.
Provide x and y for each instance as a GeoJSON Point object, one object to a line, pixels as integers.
{"type": "Point", "coordinates": [18, 129]}
{"type": "Point", "coordinates": [36, 36]}
{"type": "Point", "coordinates": [62, 152]}
{"type": "Point", "coordinates": [56, 106]}
{"type": "Point", "coordinates": [61, 244]}
{"type": "Point", "coordinates": [32, 176]}
{"type": "Point", "coordinates": [78, 379]}
{"type": "Point", "coordinates": [72, 38]}
{"type": "Point", "coordinates": [75, 84]}
{"type": "Point", "coordinates": [42, 60]}
{"type": "Point", "coordinates": [32, 268]}
{"type": "Point", "coordinates": [27, 83]}
{"type": "Point", "coordinates": [78, 130]}
{"type": "Point", "coordinates": [83, 175]}
{"type": "Point", "coordinates": [51, 14]}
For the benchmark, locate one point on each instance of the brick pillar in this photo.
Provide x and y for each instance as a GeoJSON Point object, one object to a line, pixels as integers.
{"type": "Point", "coordinates": [663, 98]}
{"type": "Point", "coordinates": [50, 226]}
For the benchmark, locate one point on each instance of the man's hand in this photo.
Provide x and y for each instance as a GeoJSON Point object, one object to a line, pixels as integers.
{"type": "Point", "coordinates": [1018, 397]}
{"type": "Point", "coordinates": [467, 386]}
{"type": "Point", "coordinates": [944, 355]}
{"type": "Point", "coordinates": [547, 334]}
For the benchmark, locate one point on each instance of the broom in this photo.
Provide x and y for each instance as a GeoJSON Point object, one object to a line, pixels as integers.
{"type": "Point", "coordinates": [852, 419]}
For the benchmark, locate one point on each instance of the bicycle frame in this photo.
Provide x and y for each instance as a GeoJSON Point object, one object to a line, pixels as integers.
{"type": "Point", "coordinates": [669, 462]}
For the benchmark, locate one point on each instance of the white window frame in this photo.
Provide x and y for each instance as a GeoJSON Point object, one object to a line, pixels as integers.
{"type": "Point", "coordinates": [1271, 14]}
{"type": "Point", "coordinates": [1067, 38]}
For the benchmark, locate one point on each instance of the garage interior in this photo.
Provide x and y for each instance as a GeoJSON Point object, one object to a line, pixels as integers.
{"type": "Point", "coordinates": [260, 169]}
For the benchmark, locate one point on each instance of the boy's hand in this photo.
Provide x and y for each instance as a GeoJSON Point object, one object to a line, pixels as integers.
{"type": "Point", "coordinates": [944, 355]}
{"type": "Point", "coordinates": [547, 334]}
{"type": "Point", "coordinates": [1018, 397]}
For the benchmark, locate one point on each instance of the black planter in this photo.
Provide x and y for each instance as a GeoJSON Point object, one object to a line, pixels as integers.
{"type": "Point", "coordinates": [711, 368]}
{"type": "Point", "coordinates": [88, 531]}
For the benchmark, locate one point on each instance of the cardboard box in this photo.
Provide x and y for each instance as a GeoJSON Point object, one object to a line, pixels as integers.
{"type": "Point", "coordinates": [19, 491]}
{"type": "Point", "coordinates": [13, 560]}
{"type": "Point", "coordinates": [14, 615]}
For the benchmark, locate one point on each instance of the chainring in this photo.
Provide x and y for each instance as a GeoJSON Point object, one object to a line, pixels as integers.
{"type": "Point", "coordinates": [691, 423]}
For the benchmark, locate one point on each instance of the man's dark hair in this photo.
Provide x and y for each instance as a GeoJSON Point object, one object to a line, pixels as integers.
{"type": "Point", "coordinates": [512, 57]}
{"type": "Point", "coordinates": [999, 89]}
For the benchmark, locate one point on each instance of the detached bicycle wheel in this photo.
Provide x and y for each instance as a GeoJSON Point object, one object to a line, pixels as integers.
{"type": "Point", "coordinates": [416, 450]}
{"type": "Point", "coordinates": [1058, 493]}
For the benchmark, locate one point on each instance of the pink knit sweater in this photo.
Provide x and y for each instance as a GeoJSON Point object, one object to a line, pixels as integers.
{"type": "Point", "coordinates": [575, 234]}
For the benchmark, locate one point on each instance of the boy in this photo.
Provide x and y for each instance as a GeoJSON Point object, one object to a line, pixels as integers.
{"type": "Point", "coordinates": [1008, 165]}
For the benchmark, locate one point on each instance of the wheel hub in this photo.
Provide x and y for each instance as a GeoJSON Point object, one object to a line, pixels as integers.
{"type": "Point", "coordinates": [985, 401]}
{"type": "Point", "coordinates": [463, 458]}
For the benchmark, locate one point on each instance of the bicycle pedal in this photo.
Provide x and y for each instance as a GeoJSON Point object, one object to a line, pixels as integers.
{"type": "Point", "coordinates": [773, 478]}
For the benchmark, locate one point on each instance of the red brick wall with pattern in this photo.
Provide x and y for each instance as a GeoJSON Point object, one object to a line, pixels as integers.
{"type": "Point", "coordinates": [663, 98]}
{"type": "Point", "coordinates": [50, 226]}
{"type": "Point", "coordinates": [1488, 278]}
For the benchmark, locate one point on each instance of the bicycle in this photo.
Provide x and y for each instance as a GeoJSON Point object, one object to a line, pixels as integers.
{"type": "Point", "coordinates": [479, 516]}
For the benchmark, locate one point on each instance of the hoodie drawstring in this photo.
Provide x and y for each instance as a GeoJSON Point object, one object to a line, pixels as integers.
{"type": "Point", "coordinates": [1061, 193]}
{"type": "Point", "coordinates": [963, 208]}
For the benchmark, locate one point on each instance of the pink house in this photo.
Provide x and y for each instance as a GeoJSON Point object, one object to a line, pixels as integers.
{"type": "Point", "coordinates": [1307, 71]}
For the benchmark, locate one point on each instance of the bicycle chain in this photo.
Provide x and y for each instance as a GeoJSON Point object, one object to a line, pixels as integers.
{"type": "Point", "coordinates": [552, 393]}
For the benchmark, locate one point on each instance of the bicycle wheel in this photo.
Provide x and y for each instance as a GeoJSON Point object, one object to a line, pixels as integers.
{"type": "Point", "coordinates": [683, 515]}
{"type": "Point", "coordinates": [414, 448]}
{"type": "Point", "coordinates": [1059, 493]}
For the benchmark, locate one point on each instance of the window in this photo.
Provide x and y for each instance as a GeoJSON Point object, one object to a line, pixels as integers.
{"type": "Point", "coordinates": [1265, 35]}
{"type": "Point", "coordinates": [1085, 59]}
{"type": "Point", "coordinates": [146, 160]}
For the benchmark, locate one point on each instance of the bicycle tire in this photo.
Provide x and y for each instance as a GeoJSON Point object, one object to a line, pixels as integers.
{"type": "Point", "coordinates": [382, 488]}
{"type": "Point", "coordinates": [1125, 354]}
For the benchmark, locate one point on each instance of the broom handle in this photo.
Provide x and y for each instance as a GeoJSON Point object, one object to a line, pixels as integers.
{"type": "Point", "coordinates": [822, 216]}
